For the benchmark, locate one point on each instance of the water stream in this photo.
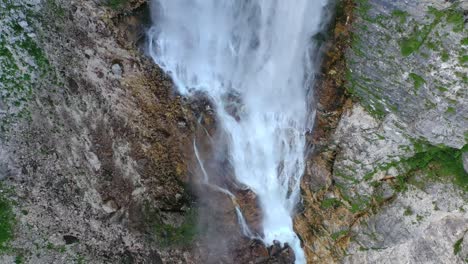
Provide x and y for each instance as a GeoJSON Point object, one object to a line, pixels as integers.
{"type": "Point", "coordinates": [254, 60]}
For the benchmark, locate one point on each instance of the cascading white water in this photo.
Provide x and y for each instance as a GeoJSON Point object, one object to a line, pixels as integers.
{"type": "Point", "coordinates": [252, 59]}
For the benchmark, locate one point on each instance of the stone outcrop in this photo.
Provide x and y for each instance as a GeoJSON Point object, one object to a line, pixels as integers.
{"type": "Point", "coordinates": [386, 182]}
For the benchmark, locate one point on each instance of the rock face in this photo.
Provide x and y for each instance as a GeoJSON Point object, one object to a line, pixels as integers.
{"type": "Point", "coordinates": [90, 141]}
{"type": "Point", "coordinates": [387, 183]}
{"type": "Point", "coordinates": [410, 60]}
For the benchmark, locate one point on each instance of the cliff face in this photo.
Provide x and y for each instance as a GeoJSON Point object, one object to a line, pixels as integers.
{"type": "Point", "coordinates": [389, 182]}
{"type": "Point", "coordinates": [91, 138]}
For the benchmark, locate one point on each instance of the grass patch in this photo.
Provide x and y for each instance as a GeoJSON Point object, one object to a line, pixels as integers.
{"type": "Point", "coordinates": [340, 234]}
{"type": "Point", "coordinates": [330, 203]}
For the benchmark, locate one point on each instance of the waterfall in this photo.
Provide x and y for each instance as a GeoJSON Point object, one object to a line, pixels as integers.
{"type": "Point", "coordinates": [253, 60]}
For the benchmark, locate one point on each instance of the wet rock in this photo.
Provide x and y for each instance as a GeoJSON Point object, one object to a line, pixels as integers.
{"type": "Point", "coordinates": [275, 249]}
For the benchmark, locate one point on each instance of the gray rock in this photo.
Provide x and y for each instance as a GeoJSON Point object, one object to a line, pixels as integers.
{"type": "Point", "coordinates": [110, 206]}
{"type": "Point", "coordinates": [413, 230]}
{"type": "Point", "coordinates": [422, 82]}
{"type": "Point", "coordinates": [407, 94]}
{"type": "Point", "coordinates": [465, 161]}
{"type": "Point", "coordinates": [117, 70]}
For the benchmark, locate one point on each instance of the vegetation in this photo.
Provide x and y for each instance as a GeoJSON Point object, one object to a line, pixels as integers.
{"type": "Point", "coordinates": [402, 15]}
{"type": "Point", "coordinates": [330, 203]}
{"type": "Point", "coordinates": [417, 80]}
{"type": "Point", "coordinates": [116, 4]}
{"type": "Point", "coordinates": [7, 220]}
{"type": "Point", "coordinates": [457, 246]}
{"type": "Point", "coordinates": [420, 34]}
{"type": "Point", "coordinates": [464, 41]}
{"type": "Point", "coordinates": [19, 259]}
{"type": "Point", "coordinates": [55, 8]}
{"type": "Point", "coordinates": [340, 234]}
{"type": "Point", "coordinates": [168, 235]}
{"type": "Point", "coordinates": [23, 63]}
{"type": "Point", "coordinates": [455, 17]}
{"type": "Point", "coordinates": [439, 163]}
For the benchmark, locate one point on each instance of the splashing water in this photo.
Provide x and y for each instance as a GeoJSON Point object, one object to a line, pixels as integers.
{"type": "Point", "coordinates": [252, 59]}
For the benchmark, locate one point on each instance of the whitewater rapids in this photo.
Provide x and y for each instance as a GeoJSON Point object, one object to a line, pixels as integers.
{"type": "Point", "coordinates": [259, 52]}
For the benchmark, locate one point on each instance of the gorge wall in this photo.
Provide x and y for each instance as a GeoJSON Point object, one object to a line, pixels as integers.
{"type": "Point", "coordinates": [387, 182]}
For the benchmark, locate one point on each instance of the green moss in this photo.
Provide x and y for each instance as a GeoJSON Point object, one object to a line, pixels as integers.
{"type": "Point", "coordinates": [444, 56]}
{"type": "Point", "coordinates": [19, 259]}
{"type": "Point", "coordinates": [408, 211]}
{"type": "Point", "coordinates": [464, 42]}
{"type": "Point", "coordinates": [419, 218]}
{"type": "Point", "coordinates": [33, 49]}
{"type": "Point", "coordinates": [463, 59]}
{"type": "Point", "coordinates": [420, 33]}
{"type": "Point", "coordinates": [402, 15]}
{"type": "Point", "coordinates": [455, 17]}
{"type": "Point", "coordinates": [457, 246]}
{"type": "Point", "coordinates": [450, 110]}
{"type": "Point", "coordinates": [416, 39]}
{"type": "Point", "coordinates": [439, 162]}
{"type": "Point", "coordinates": [418, 81]}
{"type": "Point", "coordinates": [363, 8]}
{"type": "Point", "coordinates": [7, 220]}
{"type": "Point", "coordinates": [442, 89]}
